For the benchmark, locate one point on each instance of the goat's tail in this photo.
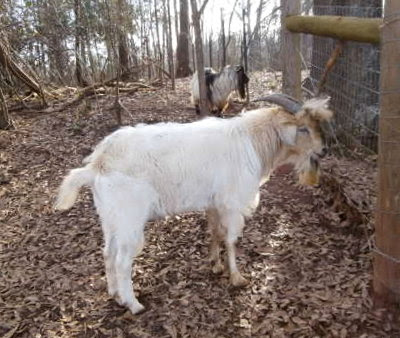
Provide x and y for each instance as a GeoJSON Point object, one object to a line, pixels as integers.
{"type": "Point", "coordinates": [70, 186]}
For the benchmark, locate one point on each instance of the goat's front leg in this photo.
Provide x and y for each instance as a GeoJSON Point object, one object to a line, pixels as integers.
{"type": "Point", "coordinates": [214, 225]}
{"type": "Point", "coordinates": [233, 221]}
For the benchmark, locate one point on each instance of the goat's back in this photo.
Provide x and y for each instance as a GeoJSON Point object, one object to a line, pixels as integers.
{"type": "Point", "coordinates": [188, 165]}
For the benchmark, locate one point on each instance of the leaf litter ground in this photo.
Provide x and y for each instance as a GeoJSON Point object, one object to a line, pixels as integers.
{"type": "Point", "coordinates": [305, 251]}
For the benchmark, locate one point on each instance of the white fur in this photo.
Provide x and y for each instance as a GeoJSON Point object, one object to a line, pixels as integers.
{"type": "Point", "coordinates": [151, 171]}
{"type": "Point", "coordinates": [224, 85]}
{"type": "Point", "coordinates": [318, 108]}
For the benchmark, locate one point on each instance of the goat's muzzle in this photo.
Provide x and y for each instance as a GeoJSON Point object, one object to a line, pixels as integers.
{"type": "Point", "coordinates": [311, 175]}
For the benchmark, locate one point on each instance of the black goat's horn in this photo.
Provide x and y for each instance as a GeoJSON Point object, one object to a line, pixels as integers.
{"type": "Point", "coordinates": [289, 103]}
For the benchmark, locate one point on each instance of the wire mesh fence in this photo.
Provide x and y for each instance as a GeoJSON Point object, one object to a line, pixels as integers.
{"type": "Point", "coordinates": [353, 82]}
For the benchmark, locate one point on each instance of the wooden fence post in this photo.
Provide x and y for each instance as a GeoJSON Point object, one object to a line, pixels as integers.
{"type": "Point", "coordinates": [387, 228]}
{"type": "Point", "coordinates": [290, 57]}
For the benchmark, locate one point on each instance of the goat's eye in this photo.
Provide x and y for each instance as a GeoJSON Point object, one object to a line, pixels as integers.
{"type": "Point", "coordinates": [303, 130]}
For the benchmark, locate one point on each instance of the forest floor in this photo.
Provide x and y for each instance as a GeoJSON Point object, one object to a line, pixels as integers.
{"type": "Point", "coordinates": [308, 258]}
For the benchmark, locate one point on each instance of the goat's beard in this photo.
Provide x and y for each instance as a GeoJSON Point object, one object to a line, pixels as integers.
{"type": "Point", "coordinates": [310, 172]}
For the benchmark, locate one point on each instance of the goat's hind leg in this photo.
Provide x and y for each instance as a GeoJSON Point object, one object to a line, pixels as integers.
{"type": "Point", "coordinates": [233, 221]}
{"type": "Point", "coordinates": [129, 245]}
{"type": "Point", "coordinates": [123, 217]}
{"type": "Point", "coordinates": [217, 236]}
{"type": "Point", "coordinates": [109, 254]}
{"type": "Point", "coordinates": [110, 246]}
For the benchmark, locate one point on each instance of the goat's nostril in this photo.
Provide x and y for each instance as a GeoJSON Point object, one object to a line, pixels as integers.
{"type": "Point", "coordinates": [324, 151]}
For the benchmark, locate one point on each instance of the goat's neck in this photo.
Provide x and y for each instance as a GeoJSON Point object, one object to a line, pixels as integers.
{"type": "Point", "coordinates": [271, 158]}
{"type": "Point", "coordinates": [268, 146]}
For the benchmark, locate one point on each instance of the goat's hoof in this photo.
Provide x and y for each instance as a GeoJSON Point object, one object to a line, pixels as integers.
{"type": "Point", "coordinates": [118, 299]}
{"type": "Point", "coordinates": [136, 308]}
{"type": "Point", "coordinates": [238, 280]}
{"type": "Point", "coordinates": [218, 268]}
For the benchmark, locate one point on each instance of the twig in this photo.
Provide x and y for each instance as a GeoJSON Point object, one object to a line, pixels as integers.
{"type": "Point", "coordinates": [202, 7]}
{"type": "Point", "coordinates": [329, 64]}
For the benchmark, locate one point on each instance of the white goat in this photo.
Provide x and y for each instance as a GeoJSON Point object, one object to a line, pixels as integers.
{"type": "Point", "coordinates": [219, 87]}
{"type": "Point", "coordinates": [149, 171]}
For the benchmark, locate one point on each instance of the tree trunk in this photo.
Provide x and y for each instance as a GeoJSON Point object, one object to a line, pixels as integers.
{"type": "Point", "coordinates": [176, 20]}
{"type": "Point", "coordinates": [148, 57]}
{"type": "Point", "coordinates": [54, 34]}
{"type": "Point", "coordinates": [255, 40]}
{"type": "Point", "coordinates": [245, 47]}
{"type": "Point", "coordinates": [210, 50]}
{"type": "Point", "coordinates": [78, 41]}
{"type": "Point", "coordinates": [229, 30]}
{"type": "Point", "coordinates": [193, 57]}
{"type": "Point", "coordinates": [5, 121]}
{"type": "Point", "coordinates": [164, 64]}
{"type": "Point", "coordinates": [170, 51]}
{"type": "Point", "coordinates": [223, 46]}
{"type": "Point", "coordinates": [160, 54]}
{"type": "Point", "coordinates": [92, 63]}
{"type": "Point", "coordinates": [182, 52]}
{"type": "Point", "coordinates": [88, 45]}
{"type": "Point", "coordinates": [244, 41]}
{"type": "Point", "coordinates": [123, 55]}
{"type": "Point", "coordinates": [196, 14]}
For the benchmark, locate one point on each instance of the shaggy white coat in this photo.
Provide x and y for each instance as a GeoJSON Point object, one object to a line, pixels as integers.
{"type": "Point", "coordinates": [150, 171]}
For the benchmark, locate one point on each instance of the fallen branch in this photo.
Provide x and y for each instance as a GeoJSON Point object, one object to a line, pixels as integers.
{"type": "Point", "coordinates": [82, 94]}
{"type": "Point", "coordinates": [8, 63]}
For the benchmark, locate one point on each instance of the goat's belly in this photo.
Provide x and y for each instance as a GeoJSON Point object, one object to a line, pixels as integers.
{"type": "Point", "coordinates": [180, 201]}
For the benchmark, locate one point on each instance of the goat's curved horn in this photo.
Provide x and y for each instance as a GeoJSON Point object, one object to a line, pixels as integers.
{"type": "Point", "coordinates": [289, 103]}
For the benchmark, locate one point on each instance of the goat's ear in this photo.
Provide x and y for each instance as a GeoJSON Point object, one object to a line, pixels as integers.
{"type": "Point", "coordinates": [288, 134]}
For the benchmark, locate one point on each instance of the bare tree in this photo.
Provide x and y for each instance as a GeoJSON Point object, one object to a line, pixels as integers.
{"type": "Point", "coordinates": [122, 41]}
{"type": "Point", "coordinates": [176, 20]}
{"type": "Point", "coordinates": [50, 26]}
{"type": "Point", "coordinates": [182, 52]}
{"type": "Point", "coordinates": [78, 46]}
{"type": "Point", "coordinates": [170, 51]}
{"type": "Point", "coordinates": [159, 49]}
{"type": "Point", "coordinates": [210, 51]}
{"type": "Point", "coordinates": [223, 39]}
{"type": "Point", "coordinates": [254, 42]}
{"type": "Point", "coordinates": [196, 15]}
{"type": "Point", "coordinates": [224, 43]}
